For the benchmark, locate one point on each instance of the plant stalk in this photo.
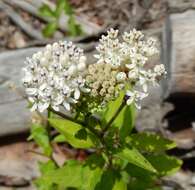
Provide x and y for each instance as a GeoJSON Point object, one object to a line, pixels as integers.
{"type": "Point", "coordinates": [114, 117]}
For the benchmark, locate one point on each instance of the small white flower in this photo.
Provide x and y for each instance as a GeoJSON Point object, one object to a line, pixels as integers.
{"type": "Point", "coordinates": [136, 97]}
{"type": "Point", "coordinates": [121, 76]}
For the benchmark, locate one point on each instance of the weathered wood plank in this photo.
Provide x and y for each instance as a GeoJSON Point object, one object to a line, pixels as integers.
{"type": "Point", "coordinates": [14, 116]}
{"type": "Point", "coordinates": [179, 52]}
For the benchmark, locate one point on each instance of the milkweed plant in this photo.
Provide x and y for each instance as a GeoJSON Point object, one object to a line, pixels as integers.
{"type": "Point", "coordinates": [93, 107]}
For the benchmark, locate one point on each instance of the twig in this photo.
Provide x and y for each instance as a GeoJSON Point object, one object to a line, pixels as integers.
{"type": "Point", "coordinates": [17, 19]}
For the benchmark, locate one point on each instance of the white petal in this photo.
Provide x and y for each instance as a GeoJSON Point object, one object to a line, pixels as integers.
{"type": "Point", "coordinates": [145, 87]}
{"type": "Point", "coordinates": [129, 93]}
{"type": "Point", "coordinates": [81, 66]}
{"type": "Point", "coordinates": [82, 59]}
{"type": "Point", "coordinates": [32, 100]}
{"type": "Point", "coordinates": [86, 90]}
{"type": "Point", "coordinates": [137, 105]}
{"type": "Point", "coordinates": [31, 91]}
{"type": "Point", "coordinates": [43, 86]}
{"type": "Point", "coordinates": [76, 94]}
{"type": "Point", "coordinates": [42, 106]}
{"type": "Point", "coordinates": [72, 100]}
{"type": "Point", "coordinates": [130, 66]}
{"type": "Point", "coordinates": [67, 106]}
{"type": "Point", "coordinates": [34, 107]}
{"type": "Point", "coordinates": [56, 108]}
{"type": "Point", "coordinates": [142, 95]}
{"type": "Point", "coordinates": [72, 70]}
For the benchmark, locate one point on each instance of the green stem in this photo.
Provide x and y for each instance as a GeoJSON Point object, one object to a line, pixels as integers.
{"type": "Point", "coordinates": [114, 117]}
{"type": "Point", "coordinates": [48, 128]}
{"type": "Point", "coordinates": [66, 116]}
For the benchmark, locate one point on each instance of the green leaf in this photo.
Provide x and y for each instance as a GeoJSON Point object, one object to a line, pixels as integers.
{"type": "Point", "coordinates": [125, 121]}
{"type": "Point", "coordinates": [46, 11]}
{"type": "Point", "coordinates": [45, 168]}
{"type": "Point", "coordinates": [135, 157]}
{"type": "Point", "coordinates": [93, 177]}
{"type": "Point", "coordinates": [40, 135]}
{"type": "Point", "coordinates": [50, 29]}
{"type": "Point", "coordinates": [120, 185]}
{"type": "Point", "coordinates": [139, 184]}
{"type": "Point", "coordinates": [69, 129]}
{"type": "Point", "coordinates": [42, 184]}
{"type": "Point", "coordinates": [164, 164]}
{"type": "Point", "coordinates": [95, 160]}
{"type": "Point", "coordinates": [59, 8]}
{"type": "Point", "coordinates": [140, 173]}
{"type": "Point", "coordinates": [74, 29]}
{"type": "Point", "coordinates": [111, 109]}
{"type": "Point", "coordinates": [60, 139]}
{"type": "Point", "coordinates": [68, 8]}
{"type": "Point", "coordinates": [107, 181]}
{"type": "Point", "coordinates": [150, 142]}
{"type": "Point", "coordinates": [81, 134]}
{"type": "Point", "coordinates": [67, 176]}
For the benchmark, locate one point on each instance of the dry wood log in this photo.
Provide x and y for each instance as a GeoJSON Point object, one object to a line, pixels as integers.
{"type": "Point", "coordinates": [18, 20]}
{"type": "Point", "coordinates": [178, 53]}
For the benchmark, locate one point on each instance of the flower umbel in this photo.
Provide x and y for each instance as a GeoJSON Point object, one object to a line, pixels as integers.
{"type": "Point", "coordinates": [58, 75]}
{"type": "Point", "coordinates": [54, 77]}
{"type": "Point", "coordinates": [128, 59]}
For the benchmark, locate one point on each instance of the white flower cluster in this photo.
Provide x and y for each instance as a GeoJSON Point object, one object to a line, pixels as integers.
{"type": "Point", "coordinates": [58, 75]}
{"type": "Point", "coordinates": [128, 57]}
{"type": "Point", "coordinates": [54, 77]}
